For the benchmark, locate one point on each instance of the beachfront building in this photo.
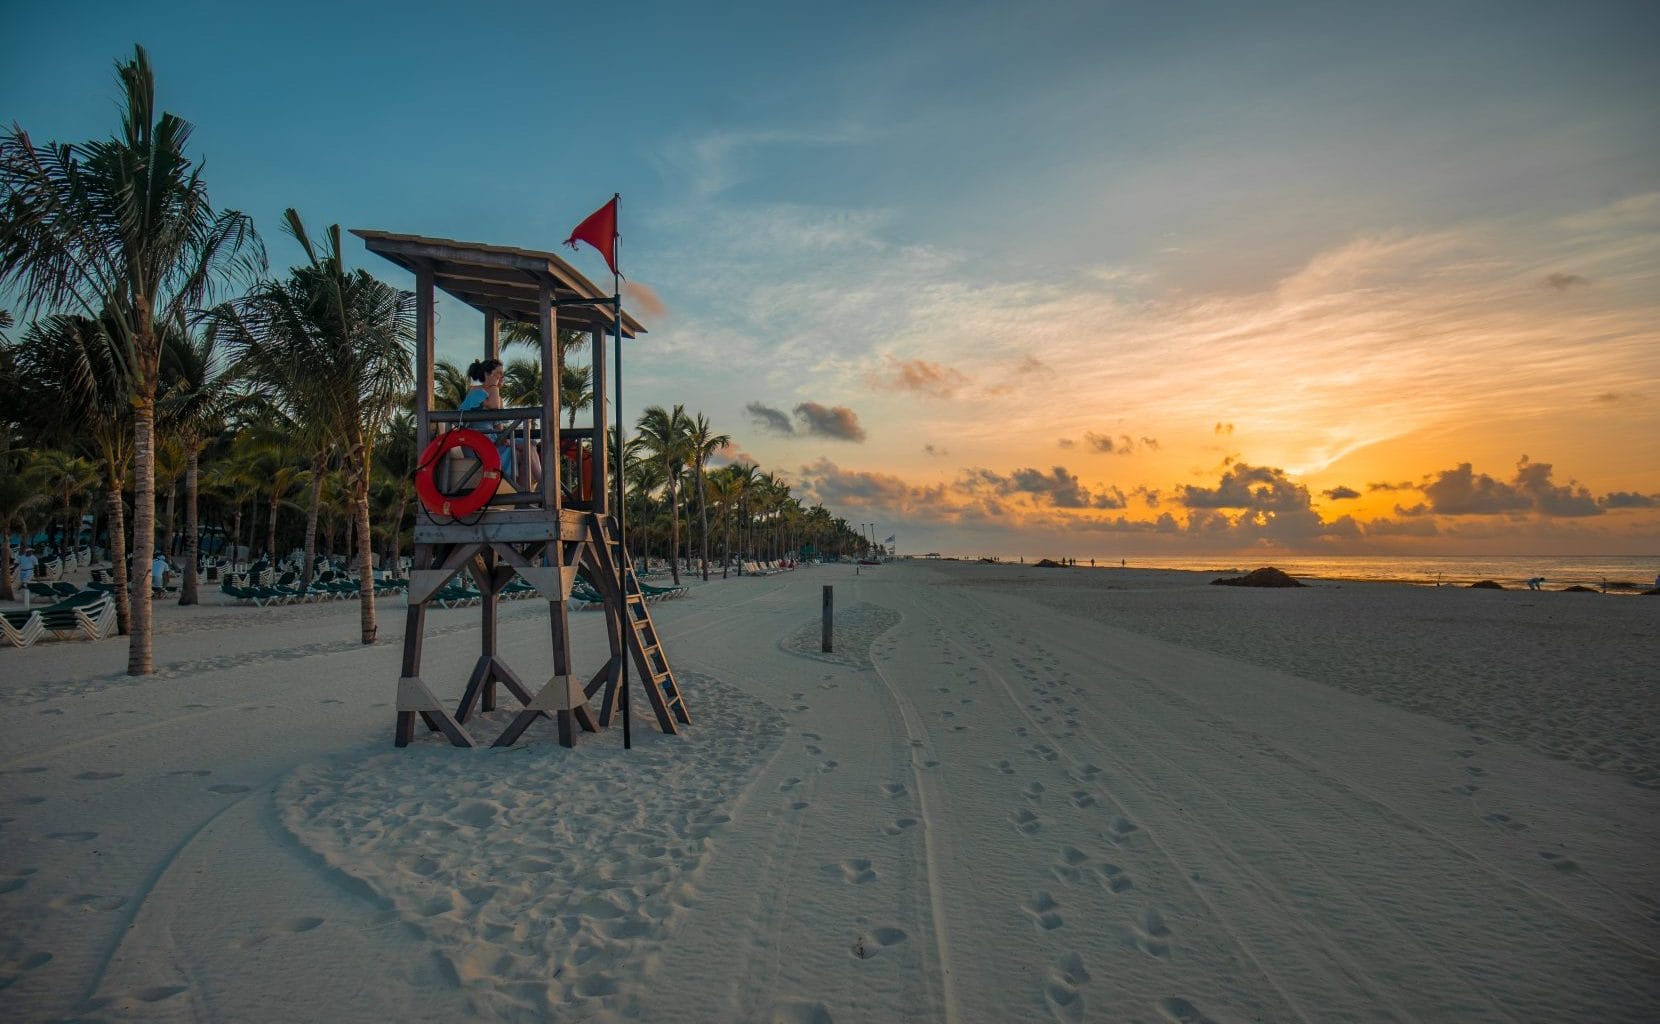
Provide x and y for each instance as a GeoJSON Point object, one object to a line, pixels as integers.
{"type": "Point", "coordinates": [513, 500]}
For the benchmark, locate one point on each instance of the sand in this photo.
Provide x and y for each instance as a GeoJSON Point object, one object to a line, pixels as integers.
{"type": "Point", "coordinates": [1007, 796]}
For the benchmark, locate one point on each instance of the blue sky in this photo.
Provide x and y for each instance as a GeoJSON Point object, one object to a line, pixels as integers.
{"type": "Point", "coordinates": [1142, 215]}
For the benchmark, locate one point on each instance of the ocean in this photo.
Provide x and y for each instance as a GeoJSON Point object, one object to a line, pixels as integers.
{"type": "Point", "coordinates": [1639, 571]}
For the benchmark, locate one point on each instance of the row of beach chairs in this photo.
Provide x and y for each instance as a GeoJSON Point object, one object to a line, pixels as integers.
{"type": "Point", "coordinates": [766, 568]}
{"type": "Point", "coordinates": [87, 614]}
{"type": "Point", "coordinates": [256, 588]}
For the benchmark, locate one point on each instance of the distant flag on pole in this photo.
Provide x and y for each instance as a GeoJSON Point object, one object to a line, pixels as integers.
{"type": "Point", "coordinates": [890, 539]}
{"type": "Point", "coordinates": [600, 231]}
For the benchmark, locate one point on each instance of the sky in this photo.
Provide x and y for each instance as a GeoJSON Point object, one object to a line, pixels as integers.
{"type": "Point", "coordinates": [1086, 279]}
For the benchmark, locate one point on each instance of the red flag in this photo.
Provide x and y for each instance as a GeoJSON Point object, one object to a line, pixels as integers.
{"type": "Point", "coordinates": [600, 231]}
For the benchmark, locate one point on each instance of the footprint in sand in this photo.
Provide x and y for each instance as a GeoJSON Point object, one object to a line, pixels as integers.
{"type": "Point", "coordinates": [1504, 821]}
{"type": "Point", "coordinates": [88, 901]}
{"type": "Point", "coordinates": [1033, 792]}
{"type": "Point", "coordinates": [1044, 910]}
{"type": "Point", "coordinates": [1114, 878]}
{"type": "Point", "coordinates": [877, 939]}
{"type": "Point", "coordinates": [828, 767]}
{"type": "Point", "coordinates": [893, 789]}
{"type": "Point", "coordinates": [1151, 934]}
{"type": "Point", "coordinates": [31, 800]}
{"type": "Point", "coordinates": [17, 881]}
{"type": "Point", "coordinates": [1121, 829]}
{"type": "Point", "coordinates": [72, 837]}
{"type": "Point", "coordinates": [899, 825]}
{"type": "Point", "coordinates": [1026, 822]}
{"type": "Point", "coordinates": [799, 805]}
{"type": "Point", "coordinates": [196, 773]}
{"type": "Point", "coordinates": [788, 784]}
{"type": "Point", "coordinates": [1060, 989]}
{"type": "Point", "coordinates": [801, 1013]}
{"type": "Point", "coordinates": [296, 925]}
{"type": "Point", "coordinates": [1082, 798]}
{"type": "Point", "coordinates": [1180, 1011]}
{"type": "Point", "coordinates": [1559, 862]}
{"type": "Point", "coordinates": [227, 788]}
{"type": "Point", "coordinates": [1070, 867]}
{"type": "Point", "coordinates": [854, 870]}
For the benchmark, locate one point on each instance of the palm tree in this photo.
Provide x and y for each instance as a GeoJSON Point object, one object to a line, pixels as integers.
{"type": "Point", "coordinates": [83, 392]}
{"type": "Point", "coordinates": [576, 390]}
{"type": "Point", "coordinates": [198, 394]}
{"type": "Point", "coordinates": [662, 438]}
{"type": "Point", "coordinates": [335, 346]}
{"type": "Point", "coordinates": [725, 490]}
{"type": "Point", "coordinates": [120, 229]}
{"type": "Point", "coordinates": [65, 475]}
{"type": "Point", "coordinates": [17, 496]}
{"type": "Point", "coordinates": [170, 470]}
{"type": "Point", "coordinates": [396, 463]}
{"type": "Point", "coordinates": [449, 383]}
{"type": "Point", "coordinates": [703, 442]}
{"type": "Point", "coordinates": [522, 383]}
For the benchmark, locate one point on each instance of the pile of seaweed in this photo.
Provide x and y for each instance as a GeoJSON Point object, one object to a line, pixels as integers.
{"type": "Point", "coordinates": [1267, 576]}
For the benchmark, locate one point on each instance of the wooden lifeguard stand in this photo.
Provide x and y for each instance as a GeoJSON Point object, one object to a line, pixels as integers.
{"type": "Point", "coordinates": [535, 529]}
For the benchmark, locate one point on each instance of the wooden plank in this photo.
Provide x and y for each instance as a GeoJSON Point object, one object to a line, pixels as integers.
{"type": "Point", "coordinates": [549, 323]}
{"type": "Point", "coordinates": [424, 358]}
{"type": "Point", "coordinates": [601, 467]}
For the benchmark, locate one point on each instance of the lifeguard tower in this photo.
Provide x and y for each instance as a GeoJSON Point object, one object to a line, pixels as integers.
{"type": "Point", "coordinates": [473, 516]}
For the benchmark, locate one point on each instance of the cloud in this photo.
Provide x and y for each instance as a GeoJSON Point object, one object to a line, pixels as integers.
{"type": "Point", "coordinates": [1150, 442]}
{"type": "Point", "coordinates": [643, 299]}
{"type": "Point", "coordinates": [1562, 282]}
{"type": "Point", "coordinates": [931, 450]}
{"type": "Point", "coordinates": [1059, 486]}
{"type": "Point", "coordinates": [1032, 364]}
{"type": "Point", "coordinates": [1402, 528]}
{"type": "Point", "coordinates": [732, 454]}
{"type": "Point", "coordinates": [1222, 429]}
{"type": "Point", "coordinates": [825, 483]}
{"type": "Point", "coordinates": [1629, 499]}
{"type": "Point", "coordinates": [1461, 491]}
{"type": "Point", "coordinates": [1066, 442]}
{"type": "Point", "coordinates": [1341, 493]}
{"type": "Point", "coordinates": [836, 421]}
{"type": "Point", "coordinates": [1148, 495]}
{"type": "Point", "coordinates": [1246, 486]}
{"type": "Point", "coordinates": [768, 418]}
{"type": "Point", "coordinates": [1611, 398]}
{"type": "Point", "coordinates": [1384, 485]}
{"type": "Point", "coordinates": [1121, 445]}
{"type": "Point", "coordinates": [923, 377]}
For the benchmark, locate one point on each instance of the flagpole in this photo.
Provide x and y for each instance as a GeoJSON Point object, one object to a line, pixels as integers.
{"type": "Point", "coordinates": [622, 510]}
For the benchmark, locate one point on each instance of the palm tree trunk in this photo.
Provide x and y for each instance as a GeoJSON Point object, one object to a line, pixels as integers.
{"type": "Point", "coordinates": [192, 542]}
{"type": "Point", "coordinates": [271, 524]}
{"type": "Point", "coordinates": [6, 561]}
{"type": "Point", "coordinates": [172, 512]}
{"type": "Point", "coordinates": [140, 655]}
{"type": "Point", "coordinates": [118, 557]}
{"type": "Point", "coordinates": [365, 542]}
{"type": "Point", "coordinates": [703, 520]}
{"type": "Point", "coordinates": [725, 542]}
{"type": "Point", "coordinates": [311, 520]}
{"type": "Point", "coordinates": [674, 533]}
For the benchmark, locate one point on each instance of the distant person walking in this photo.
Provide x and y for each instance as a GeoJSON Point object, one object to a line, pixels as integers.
{"type": "Point", "coordinates": [1534, 582]}
{"type": "Point", "coordinates": [26, 563]}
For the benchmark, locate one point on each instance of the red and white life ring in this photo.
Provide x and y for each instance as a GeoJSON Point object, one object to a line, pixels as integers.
{"type": "Point", "coordinates": [456, 506]}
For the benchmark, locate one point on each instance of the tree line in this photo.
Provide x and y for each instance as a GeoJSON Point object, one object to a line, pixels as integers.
{"type": "Point", "coordinates": [166, 379]}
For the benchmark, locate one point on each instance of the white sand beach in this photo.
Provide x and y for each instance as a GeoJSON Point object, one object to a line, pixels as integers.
{"type": "Point", "coordinates": [1011, 794]}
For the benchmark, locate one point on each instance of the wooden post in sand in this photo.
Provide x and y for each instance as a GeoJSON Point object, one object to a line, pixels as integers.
{"type": "Point", "coordinates": [827, 638]}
